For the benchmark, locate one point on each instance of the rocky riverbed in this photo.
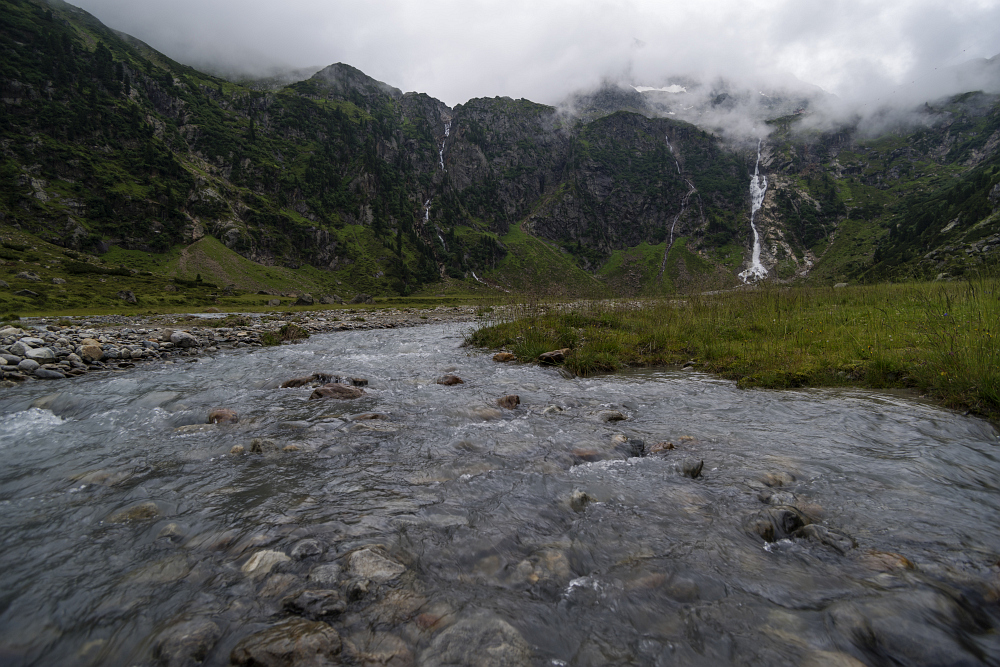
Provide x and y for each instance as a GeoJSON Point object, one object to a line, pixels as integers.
{"type": "Point", "coordinates": [60, 348]}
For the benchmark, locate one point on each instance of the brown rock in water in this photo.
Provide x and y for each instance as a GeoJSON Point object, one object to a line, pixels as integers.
{"type": "Point", "coordinates": [292, 643]}
{"type": "Point", "coordinates": [186, 643]}
{"type": "Point", "coordinates": [589, 454]}
{"type": "Point", "coordinates": [778, 479]}
{"type": "Point", "coordinates": [553, 357]}
{"type": "Point", "coordinates": [262, 446]}
{"type": "Point", "coordinates": [237, 450]}
{"type": "Point", "coordinates": [142, 512]}
{"type": "Point", "coordinates": [339, 391]}
{"type": "Point", "coordinates": [886, 561]}
{"type": "Point", "coordinates": [297, 382]}
{"type": "Point", "coordinates": [504, 356]}
{"type": "Point", "coordinates": [510, 402]}
{"type": "Point", "coordinates": [449, 380]}
{"type": "Point", "coordinates": [223, 416]}
{"type": "Point", "coordinates": [611, 416]}
{"type": "Point", "coordinates": [661, 447]}
{"type": "Point", "coordinates": [359, 382]}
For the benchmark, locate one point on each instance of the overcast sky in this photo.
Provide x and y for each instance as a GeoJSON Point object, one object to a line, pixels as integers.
{"type": "Point", "coordinates": [543, 49]}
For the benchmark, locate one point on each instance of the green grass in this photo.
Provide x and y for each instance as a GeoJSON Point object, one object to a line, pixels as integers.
{"type": "Point", "coordinates": [531, 263]}
{"type": "Point", "coordinates": [937, 338]}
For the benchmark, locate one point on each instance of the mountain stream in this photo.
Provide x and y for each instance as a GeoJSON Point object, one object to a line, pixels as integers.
{"type": "Point", "coordinates": [792, 527]}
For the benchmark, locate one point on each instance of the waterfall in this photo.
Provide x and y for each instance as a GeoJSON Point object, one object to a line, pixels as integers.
{"type": "Point", "coordinates": [427, 210]}
{"type": "Point", "coordinates": [758, 186]}
{"type": "Point", "coordinates": [447, 131]}
{"type": "Point", "coordinates": [443, 244]}
{"type": "Point", "coordinates": [676, 163]}
{"type": "Point", "coordinates": [476, 277]}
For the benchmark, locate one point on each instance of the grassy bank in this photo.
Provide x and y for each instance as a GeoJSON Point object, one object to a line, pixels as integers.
{"type": "Point", "coordinates": [937, 338]}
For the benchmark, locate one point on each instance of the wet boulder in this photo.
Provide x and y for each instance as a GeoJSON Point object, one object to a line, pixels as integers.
{"type": "Point", "coordinates": [359, 382]}
{"type": "Point", "coordinates": [509, 402]}
{"type": "Point", "coordinates": [142, 512]}
{"type": "Point", "coordinates": [578, 500]}
{"type": "Point", "coordinates": [661, 447]}
{"type": "Point", "coordinates": [449, 380]}
{"type": "Point", "coordinates": [183, 339]}
{"type": "Point", "coordinates": [306, 548]}
{"type": "Point", "coordinates": [315, 604]}
{"type": "Point", "coordinates": [262, 562]}
{"type": "Point", "coordinates": [691, 468]}
{"type": "Point", "coordinates": [48, 374]}
{"type": "Point", "coordinates": [223, 416]}
{"type": "Point", "coordinates": [776, 523]}
{"type": "Point", "coordinates": [553, 357]}
{"type": "Point", "coordinates": [504, 357]}
{"type": "Point", "coordinates": [337, 391]}
{"type": "Point", "coordinates": [483, 641]}
{"type": "Point", "coordinates": [610, 416]}
{"type": "Point", "coordinates": [263, 446]}
{"type": "Point", "coordinates": [294, 642]}
{"type": "Point", "coordinates": [778, 479]}
{"type": "Point", "coordinates": [186, 643]}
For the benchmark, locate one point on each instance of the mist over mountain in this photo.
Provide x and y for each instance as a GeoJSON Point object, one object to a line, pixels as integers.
{"type": "Point", "coordinates": [640, 183]}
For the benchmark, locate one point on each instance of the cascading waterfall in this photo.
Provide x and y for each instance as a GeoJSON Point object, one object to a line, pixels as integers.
{"type": "Point", "coordinates": [758, 186]}
{"type": "Point", "coordinates": [447, 131]}
{"type": "Point", "coordinates": [476, 277]}
{"type": "Point", "coordinates": [427, 211]}
{"type": "Point", "coordinates": [676, 163]}
{"type": "Point", "coordinates": [443, 244]}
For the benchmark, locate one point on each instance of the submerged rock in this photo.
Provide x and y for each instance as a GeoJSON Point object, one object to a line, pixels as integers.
{"type": "Point", "coordinates": [579, 500]}
{"type": "Point", "coordinates": [337, 391]}
{"type": "Point", "coordinates": [777, 523]}
{"type": "Point", "coordinates": [611, 416]}
{"type": "Point", "coordinates": [315, 604]}
{"type": "Point", "coordinates": [504, 357]}
{"type": "Point", "coordinates": [262, 446]}
{"type": "Point", "coordinates": [141, 512]}
{"type": "Point", "coordinates": [661, 447]}
{"type": "Point", "coordinates": [692, 469]}
{"type": "Point", "coordinates": [373, 563]}
{"type": "Point", "coordinates": [449, 380]}
{"type": "Point", "coordinates": [186, 643]}
{"type": "Point", "coordinates": [223, 416]}
{"type": "Point", "coordinates": [183, 339]}
{"type": "Point", "coordinates": [295, 642]}
{"type": "Point", "coordinates": [823, 535]}
{"type": "Point", "coordinates": [306, 548]}
{"type": "Point", "coordinates": [298, 382]}
{"type": "Point", "coordinates": [483, 641]}
{"type": "Point", "coordinates": [262, 562]}
{"type": "Point", "coordinates": [510, 402]}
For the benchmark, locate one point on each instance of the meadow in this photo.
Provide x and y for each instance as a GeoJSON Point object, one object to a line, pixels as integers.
{"type": "Point", "coordinates": [936, 338]}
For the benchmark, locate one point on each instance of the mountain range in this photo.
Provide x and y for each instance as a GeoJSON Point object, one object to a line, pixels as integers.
{"type": "Point", "coordinates": [109, 146]}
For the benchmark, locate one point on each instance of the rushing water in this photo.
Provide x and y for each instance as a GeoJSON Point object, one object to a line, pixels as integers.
{"type": "Point", "coordinates": [477, 502]}
{"type": "Point", "coordinates": [758, 186]}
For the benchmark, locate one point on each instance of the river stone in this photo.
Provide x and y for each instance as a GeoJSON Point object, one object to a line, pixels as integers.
{"type": "Point", "coordinates": [887, 561]}
{"type": "Point", "coordinates": [142, 512]}
{"type": "Point", "coordinates": [27, 365]}
{"type": "Point", "coordinates": [776, 523]}
{"type": "Point", "coordinates": [449, 380]}
{"type": "Point", "coordinates": [10, 359]}
{"type": "Point", "coordinates": [294, 642]}
{"type": "Point", "coordinates": [778, 479]}
{"type": "Point", "coordinates": [20, 348]}
{"type": "Point", "coordinates": [823, 535]}
{"type": "Point", "coordinates": [478, 642]}
{"type": "Point", "coordinates": [504, 356]}
{"type": "Point", "coordinates": [315, 604]}
{"type": "Point", "coordinates": [262, 562]}
{"type": "Point", "coordinates": [274, 302]}
{"type": "Point", "coordinates": [223, 416]}
{"type": "Point", "coordinates": [47, 374]}
{"type": "Point", "coordinates": [509, 402]}
{"type": "Point", "coordinates": [183, 339]}
{"type": "Point", "coordinates": [611, 416]}
{"type": "Point", "coordinates": [326, 574]}
{"type": "Point", "coordinates": [373, 563]}
{"type": "Point", "coordinates": [236, 450]}
{"type": "Point", "coordinates": [298, 382]}
{"type": "Point", "coordinates": [11, 331]}
{"type": "Point", "coordinates": [306, 548]}
{"type": "Point", "coordinates": [262, 446]}
{"type": "Point", "coordinates": [553, 357]}
{"type": "Point", "coordinates": [692, 469]}
{"type": "Point", "coordinates": [186, 643]}
{"type": "Point", "coordinates": [661, 447]}
{"type": "Point", "coordinates": [338, 391]}
{"type": "Point", "coordinates": [91, 353]}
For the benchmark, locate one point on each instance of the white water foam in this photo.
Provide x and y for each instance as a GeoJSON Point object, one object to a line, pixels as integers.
{"type": "Point", "coordinates": [758, 186]}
